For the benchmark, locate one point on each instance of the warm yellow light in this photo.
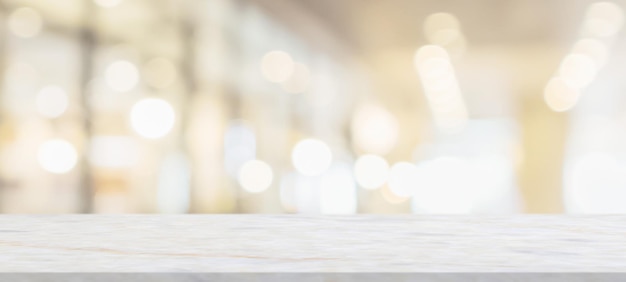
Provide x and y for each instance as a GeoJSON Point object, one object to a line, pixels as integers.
{"type": "Point", "coordinates": [559, 96]}
{"type": "Point", "coordinates": [277, 66]}
{"type": "Point", "coordinates": [578, 70]}
{"type": "Point", "coordinates": [299, 80]}
{"type": "Point", "coordinates": [375, 130]}
{"type": "Point", "coordinates": [255, 176]}
{"type": "Point", "coordinates": [604, 19]}
{"type": "Point", "coordinates": [311, 157]}
{"type": "Point", "coordinates": [122, 76]}
{"type": "Point", "coordinates": [57, 156]}
{"type": "Point", "coordinates": [371, 171]}
{"type": "Point", "coordinates": [51, 101]}
{"type": "Point", "coordinates": [160, 73]}
{"type": "Point", "coordinates": [152, 118]}
{"type": "Point", "coordinates": [108, 3]}
{"type": "Point", "coordinates": [444, 29]}
{"type": "Point", "coordinates": [402, 179]}
{"type": "Point", "coordinates": [25, 22]}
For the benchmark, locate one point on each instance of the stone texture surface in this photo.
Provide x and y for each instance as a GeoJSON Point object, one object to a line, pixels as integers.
{"type": "Point", "coordinates": [296, 243]}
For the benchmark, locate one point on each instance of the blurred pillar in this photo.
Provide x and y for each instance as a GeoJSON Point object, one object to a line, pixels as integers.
{"type": "Point", "coordinates": [87, 45]}
{"type": "Point", "coordinates": [544, 135]}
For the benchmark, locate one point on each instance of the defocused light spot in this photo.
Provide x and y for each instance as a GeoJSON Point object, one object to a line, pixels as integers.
{"type": "Point", "coordinates": [444, 29]}
{"type": "Point", "coordinates": [594, 49]}
{"type": "Point", "coordinates": [255, 176]}
{"type": "Point", "coordinates": [371, 171]}
{"type": "Point", "coordinates": [311, 157]}
{"type": "Point", "coordinates": [299, 80]}
{"type": "Point", "coordinates": [113, 151]}
{"type": "Point", "coordinates": [57, 156]}
{"type": "Point", "coordinates": [604, 19]}
{"type": "Point", "coordinates": [152, 118]}
{"type": "Point", "coordinates": [51, 101]}
{"type": "Point", "coordinates": [441, 88]}
{"type": "Point", "coordinates": [122, 76]}
{"type": "Point", "coordinates": [338, 192]}
{"type": "Point", "coordinates": [160, 73]}
{"type": "Point", "coordinates": [108, 3]}
{"type": "Point", "coordinates": [277, 66]}
{"type": "Point", "coordinates": [440, 21]}
{"type": "Point", "coordinates": [239, 146]}
{"type": "Point", "coordinates": [391, 197]}
{"type": "Point", "coordinates": [375, 130]}
{"type": "Point", "coordinates": [25, 22]}
{"type": "Point", "coordinates": [173, 185]}
{"type": "Point", "coordinates": [597, 184]}
{"type": "Point", "coordinates": [560, 96]}
{"type": "Point", "coordinates": [402, 179]}
{"type": "Point", "coordinates": [578, 70]}
{"type": "Point", "coordinates": [444, 186]}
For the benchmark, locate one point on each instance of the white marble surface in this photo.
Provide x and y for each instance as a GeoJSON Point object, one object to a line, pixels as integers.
{"type": "Point", "coordinates": [294, 243]}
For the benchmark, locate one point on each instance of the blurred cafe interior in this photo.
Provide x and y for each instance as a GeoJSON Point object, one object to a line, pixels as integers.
{"type": "Point", "coordinates": [312, 106]}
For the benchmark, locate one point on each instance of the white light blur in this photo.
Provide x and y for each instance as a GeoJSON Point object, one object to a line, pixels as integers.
{"type": "Point", "coordinates": [444, 186]}
{"type": "Point", "coordinates": [239, 146]}
{"type": "Point", "coordinates": [52, 101]}
{"type": "Point", "coordinates": [402, 179]}
{"type": "Point", "coordinates": [57, 156]}
{"type": "Point", "coordinates": [444, 29]}
{"type": "Point", "coordinates": [371, 171]}
{"type": "Point", "coordinates": [578, 70]}
{"type": "Point", "coordinates": [299, 81]}
{"type": "Point", "coordinates": [311, 157]}
{"type": "Point", "coordinates": [25, 22]}
{"type": "Point", "coordinates": [122, 76]}
{"type": "Point", "coordinates": [441, 88]}
{"type": "Point", "coordinates": [299, 193]}
{"type": "Point", "coordinates": [338, 191]}
{"type": "Point", "coordinates": [173, 188]}
{"type": "Point", "coordinates": [559, 96]}
{"type": "Point", "coordinates": [374, 129]}
{"type": "Point", "coordinates": [152, 118]}
{"type": "Point", "coordinates": [160, 73]}
{"type": "Point", "coordinates": [277, 66]}
{"type": "Point", "coordinates": [113, 152]}
{"type": "Point", "coordinates": [596, 185]}
{"type": "Point", "coordinates": [603, 19]}
{"type": "Point", "coordinates": [108, 3]}
{"type": "Point", "coordinates": [255, 176]}
{"type": "Point", "coordinates": [592, 48]}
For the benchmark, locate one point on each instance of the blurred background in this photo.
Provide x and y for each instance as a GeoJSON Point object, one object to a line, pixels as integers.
{"type": "Point", "coordinates": [312, 106]}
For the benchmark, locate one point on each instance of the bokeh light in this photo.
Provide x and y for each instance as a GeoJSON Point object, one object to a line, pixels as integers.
{"type": "Point", "coordinates": [371, 171]}
{"type": "Point", "coordinates": [152, 118]}
{"type": "Point", "coordinates": [57, 156]}
{"type": "Point", "coordinates": [122, 76]}
{"type": "Point", "coordinates": [311, 157]}
{"type": "Point", "coordinates": [52, 101]}
{"type": "Point", "coordinates": [374, 129]}
{"type": "Point", "coordinates": [255, 176]}
{"type": "Point", "coordinates": [560, 96]}
{"type": "Point", "coordinates": [277, 66]}
{"type": "Point", "coordinates": [402, 179]}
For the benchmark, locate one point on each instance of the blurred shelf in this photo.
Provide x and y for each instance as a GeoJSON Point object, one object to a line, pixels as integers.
{"type": "Point", "coordinates": [294, 243]}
